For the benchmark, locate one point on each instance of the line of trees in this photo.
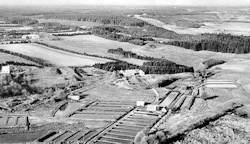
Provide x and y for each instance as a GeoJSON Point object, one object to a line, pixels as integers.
{"type": "Point", "coordinates": [129, 54]}
{"type": "Point", "coordinates": [152, 67]}
{"type": "Point", "coordinates": [71, 34]}
{"type": "Point", "coordinates": [36, 60]}
{"type": "Point", "coordinates": [212, 62]}
{"type": "Point", "coordinates": [225, 43]}
{"type": "Point", "coordinates": [112, 33]}
{"type": "Point", "coordinates": [17, 63]}
{"type": "Point", "coordinates": [20, 20]}
{"type": "Point", "coordinates": [104, 18]}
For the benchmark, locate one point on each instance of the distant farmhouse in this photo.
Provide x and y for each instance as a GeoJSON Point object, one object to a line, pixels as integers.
{"type": "Point", "coordinates": [5, 70]}
{"type": "Point", "coordinates": [128, 73]}
{"type": "Point", "coordinates": [31, 36]}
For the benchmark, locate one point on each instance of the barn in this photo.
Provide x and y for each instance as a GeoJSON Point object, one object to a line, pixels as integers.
{"type": "Point", "coordinates": [31, 36]}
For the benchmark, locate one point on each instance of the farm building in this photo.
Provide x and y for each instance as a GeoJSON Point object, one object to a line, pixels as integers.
{"type": "Point", "coordinates": [31, 36]}
{"type": "Point", "coordinates": [74, 97]}
{"type": "Point", "coordinates": [132, 72]}
{"type": "Point", "coordinates": [5, 70]}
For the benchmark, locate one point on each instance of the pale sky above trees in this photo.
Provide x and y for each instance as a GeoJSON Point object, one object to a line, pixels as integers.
{"type": "Point", "coordinates": [128, 2]}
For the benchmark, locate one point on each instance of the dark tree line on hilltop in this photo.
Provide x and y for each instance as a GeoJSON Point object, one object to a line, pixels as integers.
{"type": "Point", "coordinates": [129, 54]}
{"type": "Point", "coordinates": [112, 34]}
{"type": "Point", "coordinates": [20, 20]}
{"type": "Point", "coordinates": [225, 43]}
{"type": "Point", "coordinates": [152, 67]}
{"type": "Point", "coordinates": [101, 18]}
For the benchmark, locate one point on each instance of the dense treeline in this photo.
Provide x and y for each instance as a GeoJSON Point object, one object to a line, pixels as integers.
{"type": "Point", "coordinates": [20, 20]}
{"type": "Point", "coordinates": [114, 66]}
{"type": "Point", "coordinates": [15, 85]}
{"type": "Point", "coordinates": [225, 43]}
{"type": "Point", "coordinates": [71, 51]}
{"type": "Point", "coordinates": [113, 33]}
{"type": "Point", "coordinates": [17, 63]}
{"type": "Point", "coordinates": [212, 62]}
{"type": "Point", "coordinates": [152, 67]}
{"type": "Point", "coordinates": [129, 54]}
{"type": "Point", "coordinates": [164, 67]}
{"type": "Point", "coordinates": [104, 18]}
{"type": "Point", "coordinates": [155, 65]}
{"type": "Point", "coordinates": [36, 60]}
{"type": "Point", "coordinates": [55, 26]}
{"type": "Point", "coordinates": [71, 34]}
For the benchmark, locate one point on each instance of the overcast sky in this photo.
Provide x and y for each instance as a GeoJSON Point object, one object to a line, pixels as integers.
{"type": "Point", "coordinates": [128, 2]}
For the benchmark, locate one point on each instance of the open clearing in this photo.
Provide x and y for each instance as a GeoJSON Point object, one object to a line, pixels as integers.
{"type": "Point", "coordinates": [237, 28]}
{"type": "Point", "coordinates": [57, 57]}
{"type": "Point", "coordinates": [8, 57]}
{"type": "Point", "coordinates": [221, 85]}
{"type": "Point", "coordinates": [236, 65]}
{"type": "Point", "coordinates": [96, 45]}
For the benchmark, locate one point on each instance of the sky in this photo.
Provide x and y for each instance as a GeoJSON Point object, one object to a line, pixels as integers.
{"type": "Point", "coordinates": [129, 2]}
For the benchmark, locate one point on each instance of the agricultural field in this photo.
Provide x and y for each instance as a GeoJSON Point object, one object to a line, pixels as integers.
{"type": "Point", "coordinates": [21, 137]}
{"type": "Point", "coordinates": [56, 57]}
{"type": "Point", "coordinates": [195, 105]}
{"type": "Point", "coordinates": [225, 94]}
{"type": "Point", "coordinates": [97, 45]}
{"type": "Point", "coordinates": [7, 57]}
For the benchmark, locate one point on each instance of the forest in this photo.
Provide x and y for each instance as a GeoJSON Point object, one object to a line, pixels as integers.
{"type": "Point", "coordinates": [151, 67]}
{"type": "Point", "coordinates": [225, 43]}
{"type": "Point", "coordinates": [15, 85]}
{"type": "Point", "coordinates": [20, 20]}
{"type": "Point", "coordinates": [104, 18]}
{"type": "Point", "coordinates": [212, 62]}
{"type": "Point", "coordinates": [112, 34]}
{"type": "Point", "coordinates": [129, 54]}
{"type": "Point", "coordinates": [71, 34]}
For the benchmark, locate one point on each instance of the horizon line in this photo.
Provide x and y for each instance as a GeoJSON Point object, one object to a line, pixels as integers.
{"type": "Point", "coordinates": [124, 5]}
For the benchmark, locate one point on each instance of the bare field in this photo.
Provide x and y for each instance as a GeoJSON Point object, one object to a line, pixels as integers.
{"type": "Point", "coordinates": [56, 57]}
{"type": "Point", "coordinates": [7, 57]}
{"type": "Point", "coordinates": [96, 45]}
{"type": "Point", "coordinates": [238, 65]}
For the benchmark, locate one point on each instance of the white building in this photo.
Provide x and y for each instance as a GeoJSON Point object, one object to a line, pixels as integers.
{"type": "Point", "coordinates": [141, 73]}
{"type": "Point", "coordinates": [5, 70]}
{"type": "Point", "coordinates": [74, 97]}
{"type": "Point", "coordinates": [31, 36]}
{"type": "Point", "coordinates": [133, 72]}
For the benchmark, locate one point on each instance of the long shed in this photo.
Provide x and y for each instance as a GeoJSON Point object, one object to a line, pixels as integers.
{"type": "Point", "coordinates": [169, 99]}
